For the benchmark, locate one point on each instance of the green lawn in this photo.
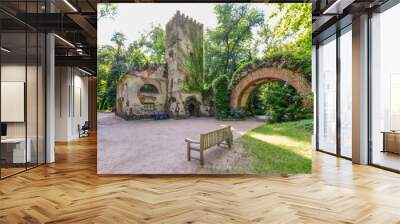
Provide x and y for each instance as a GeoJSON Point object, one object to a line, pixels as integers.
{"type": "Point", "coordinates": [280, 147]}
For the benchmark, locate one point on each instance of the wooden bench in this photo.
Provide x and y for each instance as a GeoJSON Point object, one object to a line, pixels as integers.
{"type": "Point", "coordinates": [208, 140]}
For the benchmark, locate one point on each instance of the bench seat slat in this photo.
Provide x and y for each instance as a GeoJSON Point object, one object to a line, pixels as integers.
{"type": "Point", "coordinates": [210, 139]}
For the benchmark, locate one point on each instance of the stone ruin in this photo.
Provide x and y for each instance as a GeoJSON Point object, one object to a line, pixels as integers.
{"type": "Point", "coordinates": [159, 90]}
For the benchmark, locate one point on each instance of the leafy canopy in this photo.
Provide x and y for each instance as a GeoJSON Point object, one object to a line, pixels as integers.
{"type": "Point", "coordinates": [287, 35]}
{"type": "Point", "coordinates": [114, 62]}
{"type": "Point", "coordinates": [107, 10]}
{"type": "Point", "coordinates": [228, 45]}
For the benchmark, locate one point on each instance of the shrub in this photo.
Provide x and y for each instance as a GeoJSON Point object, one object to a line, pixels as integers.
{"type": "Point", "coordinates": [238, 114]}
{"type": "Point", "coordinates": [221, 97]}
{"type": "Point", "coordinates": [284, 103]}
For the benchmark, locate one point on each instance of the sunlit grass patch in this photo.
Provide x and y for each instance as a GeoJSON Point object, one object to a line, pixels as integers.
{"type": "Point", "coordinates": [280, 147]}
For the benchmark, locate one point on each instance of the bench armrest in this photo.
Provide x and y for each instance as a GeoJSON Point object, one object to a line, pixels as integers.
{"type": "Point", "coordinates": [191, 141]}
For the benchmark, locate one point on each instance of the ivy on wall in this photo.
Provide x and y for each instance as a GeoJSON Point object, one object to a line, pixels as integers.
{"type": "Point", "coordinates": [196, 79]}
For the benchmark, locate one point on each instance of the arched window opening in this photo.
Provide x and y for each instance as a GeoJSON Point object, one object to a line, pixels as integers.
{"type": "Point", "coordinates": [148, 88]}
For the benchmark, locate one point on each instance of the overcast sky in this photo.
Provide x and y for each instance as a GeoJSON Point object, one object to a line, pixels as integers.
{"type": "Point", "coordinates": [135, 18]}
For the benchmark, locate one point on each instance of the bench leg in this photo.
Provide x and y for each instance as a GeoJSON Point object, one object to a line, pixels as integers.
{"type": "Point", "coordinates": [188, 152]}
{"type": "Point", "coordinates": [229, 143]}
{"type": "Point", "coordinates": [201, 157]}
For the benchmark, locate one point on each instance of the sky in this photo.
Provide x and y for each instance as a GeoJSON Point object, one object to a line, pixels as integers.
{"type": "Point", "coordinates": [136, 18]}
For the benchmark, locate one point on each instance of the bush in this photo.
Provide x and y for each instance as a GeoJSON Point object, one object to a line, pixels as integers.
{"type": "Point", "coordinates": [284, 103]}
{"type": "Point", "coordinates": [307, 124]}
{"type": "Point", "coordinates": [238, 114]}
{"type": "Point", "coordinates": [221, 97]}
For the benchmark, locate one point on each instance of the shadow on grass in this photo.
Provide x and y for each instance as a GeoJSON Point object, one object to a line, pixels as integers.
{"type": "Point", "coordinates": [280, 148]}
{"type": "Point", "coordinates": [299, 131]}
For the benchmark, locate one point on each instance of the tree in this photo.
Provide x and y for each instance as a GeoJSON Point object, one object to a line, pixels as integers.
{"type": "Point", "coordinates": [118, 68]}
{"type": "Point", "coordinates": [154, 43]}
{"type": "Point", "coordinates": [136, 58]}
{"type": "Point", "coordinates": [221, 97]}
{"type": "Point", "coordinates": [107, 10]}
{"type": "Point", "coordinates": [105, 59]}
{"type": "Point", "coordinates": [119, 39]}
{"type": "Point", "coordinates": [290, 36]}
{"type": "Point", "coordinates": [115, 61]}
{"type": "Point", "coordinates": [228, 44]}
{"type": "Point", "coordinates": [294, 21]}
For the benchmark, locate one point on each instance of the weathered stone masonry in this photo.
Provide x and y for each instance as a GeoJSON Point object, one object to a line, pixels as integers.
{"type": "Point", "coordinates": [133, 101]}
{"type": "Point", "coordinates": [251, 80]}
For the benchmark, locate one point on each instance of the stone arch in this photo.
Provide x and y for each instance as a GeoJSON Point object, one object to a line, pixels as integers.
{"type": "Point", "coordinates": [252, 80]}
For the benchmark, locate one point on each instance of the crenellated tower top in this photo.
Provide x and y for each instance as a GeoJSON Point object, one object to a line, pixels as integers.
{"type": "Point", "coordinates": [180, 19]}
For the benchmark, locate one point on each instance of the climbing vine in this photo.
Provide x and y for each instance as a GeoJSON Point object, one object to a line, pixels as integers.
{"type": "Point", "coordinates": [196, 80]}
{"type": "Point", "coordinates": [285, 61]}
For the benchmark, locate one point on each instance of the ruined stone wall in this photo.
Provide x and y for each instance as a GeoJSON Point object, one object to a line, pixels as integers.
{"type": "Point", "coordinates": [131, 101]}
{"type": "Point", "coordinates": [171, 98]}
{"type": "Point", "coordinates": [181, 31]}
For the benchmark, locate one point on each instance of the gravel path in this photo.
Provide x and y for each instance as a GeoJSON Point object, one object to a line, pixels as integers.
{"type": "Point", "coordinates": [158, 147]}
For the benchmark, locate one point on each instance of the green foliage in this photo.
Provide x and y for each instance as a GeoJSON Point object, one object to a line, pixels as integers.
{"type": "Point", "coordinates": [231, 44]}
{"type": "Point", "coordinates": [228, 45]}
{"type": "Point", "coordinates": [307, 125]}
{"type": "Point", "coordinates": [135, 57]}
{"type": "Point", "coordinates": [119, 39]}
{"type": "Point", "coordinates": [283, 60]}
{"type": "Point", "coordinates": [105, 59]}
{"type": "Point", "coordinates": [221, 97]}
{"type": "Point", "coordinates": [227, 52]}
{"type": "Point", "coordinates": [286, 36]}
{"type": "Point", "coordinates": [154, 44]}
{"type": "Point", "coordinates": [237, 114]}
{"type": "Point", "coordinates": [291, 29]}
{"type": "Point", "coordinates": [294, 62]}
{"type": "Point", "coordinates": [118, 68]}
{"type": "Point", "coordinates": [282, 102]}
{"type": "Point", "coordinates": [107, 10]}
{"type": "Point", "coordinates": [197, 80]}
{"type": "Point", "coordinates": [290, 40]}
{"type": "Point", "coordinates": [114, 62]}
{"type": "Point", "coordinates": [280, 148]}
{"type": "Point", "coordinates": [258, 104]}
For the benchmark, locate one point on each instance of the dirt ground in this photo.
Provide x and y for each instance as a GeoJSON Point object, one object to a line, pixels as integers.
{"type": "Point", "coordinates": [158, 147]}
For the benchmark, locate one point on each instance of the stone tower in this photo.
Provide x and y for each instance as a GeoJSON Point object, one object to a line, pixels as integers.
{"type": "Point", "coordinates": [181, 32]}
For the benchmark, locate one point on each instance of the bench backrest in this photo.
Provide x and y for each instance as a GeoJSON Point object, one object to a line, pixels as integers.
{"type": "Point", "coordinates": [212, 138]}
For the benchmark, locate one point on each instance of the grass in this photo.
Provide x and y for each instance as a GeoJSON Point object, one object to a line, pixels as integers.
{"type": "Point", "coordinates": [280, 148]}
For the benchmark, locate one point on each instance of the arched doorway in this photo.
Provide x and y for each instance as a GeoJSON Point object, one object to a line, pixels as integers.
{"type": "Point", "coordinates": [192, 106]}
{"type": "Point", "coordinates": [250, 81]}
{"type": "Point", "coordinates": [191, 109]}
